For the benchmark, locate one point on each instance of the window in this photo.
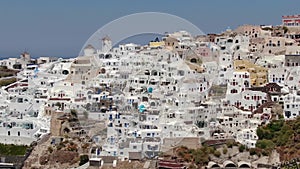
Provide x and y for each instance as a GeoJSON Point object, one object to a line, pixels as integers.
{"type": "Point", "coordinates": [288, 114]}
{"type": "Point", "coordinates": [134, 147]}
{"type": "Point", "coordinates": [233, 91]}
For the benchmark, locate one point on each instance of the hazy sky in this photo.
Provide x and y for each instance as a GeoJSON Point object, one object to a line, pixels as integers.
{"type": "Point", "coordinates": [61, 27]}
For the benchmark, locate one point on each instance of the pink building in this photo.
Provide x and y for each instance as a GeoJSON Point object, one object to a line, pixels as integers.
{"type": "Point", "coordinates": [203, 51]}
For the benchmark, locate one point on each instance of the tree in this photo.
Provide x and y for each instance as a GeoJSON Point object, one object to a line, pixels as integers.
{"type": "Point", "coordinates": [275, 125]}
{"type": "Point", "coordinates": [265, 144]}
{"type": "Point", "coordinates": [264, 133]}
{"type": "Point", "coordinates": [201, 156]}
{"type": "Point", "coordinates": [260, 133]}
{"type": "Point", "coordinates": [280, 135]}
{"type": "Point", "coordinates": [242, 148]}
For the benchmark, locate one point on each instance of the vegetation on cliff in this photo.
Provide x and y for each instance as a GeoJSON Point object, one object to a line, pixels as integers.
{"type": "Point", "coordinates": [284, 136]}
{"type": "Point", "coordinates": [12, 150]}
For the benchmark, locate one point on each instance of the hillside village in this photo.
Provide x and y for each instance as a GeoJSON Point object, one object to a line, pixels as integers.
{"type": "Point", "coordinates": [136, 102]}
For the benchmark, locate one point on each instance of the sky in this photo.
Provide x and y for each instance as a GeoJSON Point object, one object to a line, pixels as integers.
{"type": "Point", "coordinates": [60, 28]}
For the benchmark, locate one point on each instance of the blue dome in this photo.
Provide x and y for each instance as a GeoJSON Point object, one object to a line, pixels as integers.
{"type": "Point", "coordinates": [142, 108]}
{"type": "Point", "coordinates": [150, 90]}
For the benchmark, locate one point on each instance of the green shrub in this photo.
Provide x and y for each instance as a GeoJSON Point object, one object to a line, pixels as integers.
{"type": "Point", "coordinates": [225, 150]}
{"type": "Point", "coordinates": [275, 125]}
{"type": "Point", "coordinates": [217, 153]}
{"type": "Point", "coordinates": [229, 143]}
{"type": "Point", "coordinates": [13, 150]}
{"type": "Point", "coordinates": [252, 151]}
{"type": "Point", "coordinates": [242, 148]}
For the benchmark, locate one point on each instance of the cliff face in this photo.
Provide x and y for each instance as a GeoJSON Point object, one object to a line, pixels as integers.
{"type": "Point", "coordinates": [57, 152]}
{"type": "Point", "coordinates": [61, 149]}
{"type": "Point", "coordinates": [60, 156]}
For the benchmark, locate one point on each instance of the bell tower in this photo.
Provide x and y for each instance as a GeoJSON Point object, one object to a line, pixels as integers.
{"type": "Point", "coordinates": [106, 44]}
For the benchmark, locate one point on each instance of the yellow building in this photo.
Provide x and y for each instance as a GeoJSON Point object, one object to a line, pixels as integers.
{"type": "Point", "coordinates": [258, 74]}
{"type": "Point", "coordinates": [156, 44]}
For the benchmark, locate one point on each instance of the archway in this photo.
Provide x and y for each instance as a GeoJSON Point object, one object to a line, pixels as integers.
{"type": "Point", "coordinates": [65, 72]}
{"type": "Point", "coordinates": [193, 60]}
